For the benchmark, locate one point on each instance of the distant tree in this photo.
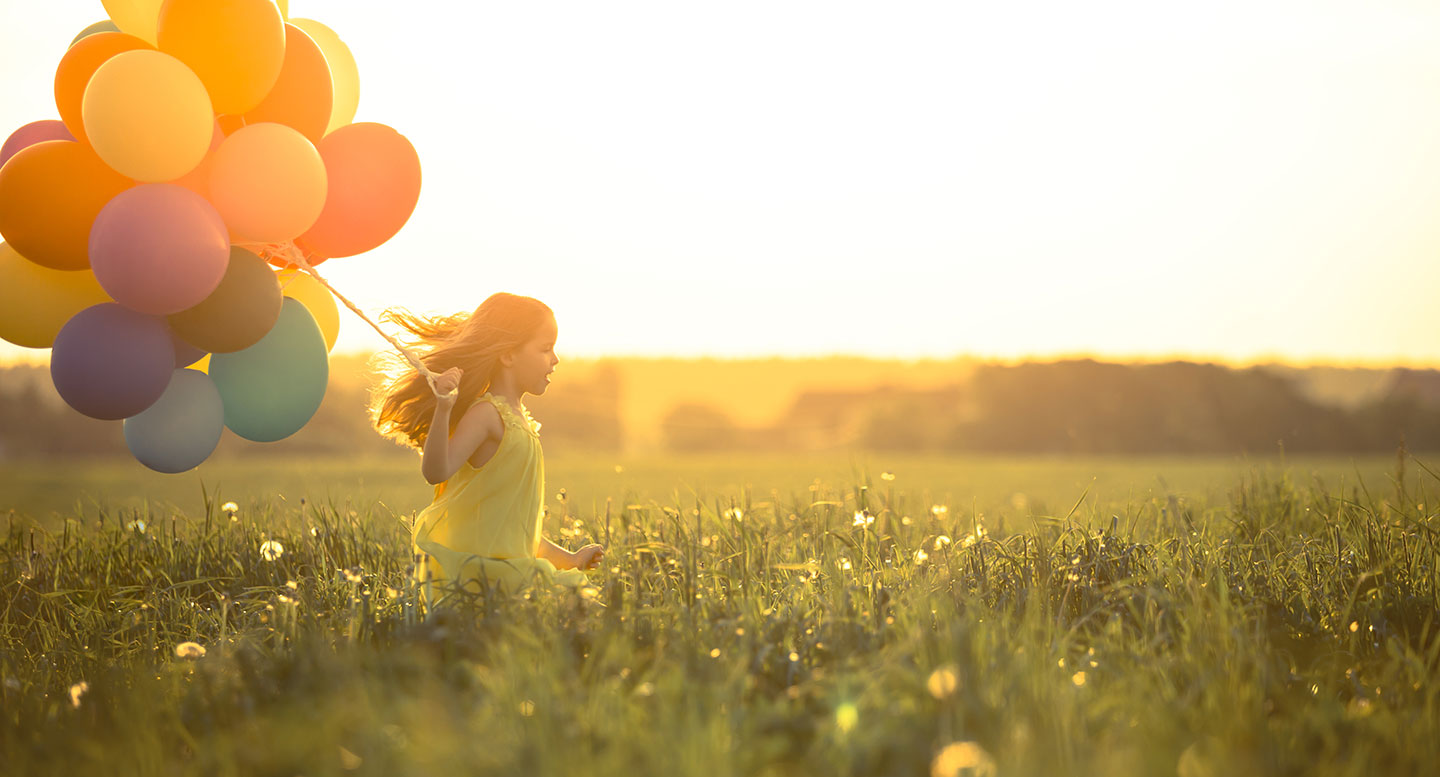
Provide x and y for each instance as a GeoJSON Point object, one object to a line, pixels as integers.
{"type": "Point", "coordinates": [696, 427]}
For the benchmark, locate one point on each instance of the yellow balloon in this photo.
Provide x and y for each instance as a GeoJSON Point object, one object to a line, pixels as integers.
{"type": "Point", "coordinates": [136, 17]}
{"type": "Point", "coordinates": [268, 182]}
{"type": "Point", "coordinates": [148, 116]}
{"type": "Point", "coordinates": [284, 6]}
{"type": "Point", "coordinates": [299, 286]}
{"type": "Point", "coordinates": [202, 366]}
{"type": "Point", "coordinates": [344, 75]}
{"type": "Point", "coordinates": [35, 301]}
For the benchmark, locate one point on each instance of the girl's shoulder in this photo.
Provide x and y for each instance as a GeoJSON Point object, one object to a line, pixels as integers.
{"type": "Point", "coordinates": [508, 416]}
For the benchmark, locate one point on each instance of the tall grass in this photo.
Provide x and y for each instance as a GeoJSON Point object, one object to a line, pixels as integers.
{"type": "Point", "coordinates": [841, 628]}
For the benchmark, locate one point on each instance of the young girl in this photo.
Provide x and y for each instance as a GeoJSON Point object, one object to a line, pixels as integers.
{"type": "Point", "coordinates": [483, 528]}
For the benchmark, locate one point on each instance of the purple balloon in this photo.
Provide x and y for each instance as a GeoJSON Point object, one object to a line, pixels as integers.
{"type": "Point", "coordinates": [159, 248]}
{"type": "Point", "coordinates": [32, 133]}
{"type": "Point", "coordinates": [110, 362]}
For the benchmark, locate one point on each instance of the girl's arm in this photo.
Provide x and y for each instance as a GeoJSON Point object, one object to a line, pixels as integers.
{"type": "Point", "coordinates": [560, 557]}
{"type": "Point", "coordinates": [442, 454]}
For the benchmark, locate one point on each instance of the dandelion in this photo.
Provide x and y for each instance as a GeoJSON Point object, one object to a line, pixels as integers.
{"type": "Point", "coordinates": [864, 518]}
{"type": "Point", "coordinates": [734, 514]}
{"type": "Point", "coordinates": [739, 631]}
{"type": "Point", "coordinates": [943, 682]}
{"type": "Point", "coordinates": [189, 651]}
{"type": "Point", "coordinates": [136, 525]}
{"type": "Point", "coordinates": [76, 691]}
{"type": "Point", "coordinates": [230, 507]}
{"type": "Point", "coordinates": [941, 542]}
{"type": "Point", "coordinates": [1354, 626]}
{"type": "Point", "coordinates": [619, 469]}
{"type": "Point", "coordinates": [1078, 678]}
{"type": "Point", "coordinates": [794, 656]}
{"type": "Point", "coordinates": [846, 716]}
{"type": "Point", "coordinates": [921, 556]}
{"type": "Point", "coordinates": [646, 688]}
{"type": "Point", "coordinates": [527, 708]}
{"type": "Point", "coordinates": [939, 511]}
{"type": "Point", "coordinates": [715, 652]}
{"type": "Point", "coordinates": [845, 563]}
{"type": "Point", "coordinates": [270, 550]}
{"type": "Point", "coordinates": [887, 475]}
{"type": "Point", "coordinates": [962, 759]}
{"type": "Point", "coordinates": [905, 520]}
{"type": "Point", "coordinates": [979, 534]}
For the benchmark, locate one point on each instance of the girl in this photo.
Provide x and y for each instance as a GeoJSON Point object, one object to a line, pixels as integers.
{"type": "Point", "coordinates": [483, 528]}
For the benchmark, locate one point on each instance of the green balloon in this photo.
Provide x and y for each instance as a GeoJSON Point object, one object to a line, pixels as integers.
{"type": "Point", "coordinates": [272, 388]}
{"type": "Point", "coordinates": [238, 312]}
{"type": "Point", "coordinates": [105, 26]}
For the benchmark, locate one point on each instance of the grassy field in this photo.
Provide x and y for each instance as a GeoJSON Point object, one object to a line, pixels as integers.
{"type": "Point", "coordinates": [764, 615]}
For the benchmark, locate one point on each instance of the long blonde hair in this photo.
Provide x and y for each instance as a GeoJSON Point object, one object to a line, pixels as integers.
{"type": "Point", "coordinates": [402, 405]}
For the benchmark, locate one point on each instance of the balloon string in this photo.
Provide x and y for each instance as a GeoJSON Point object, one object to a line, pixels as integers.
{"type": "Point", "coordinates": [292, 255]}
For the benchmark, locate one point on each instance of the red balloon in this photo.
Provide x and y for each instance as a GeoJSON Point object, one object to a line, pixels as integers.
{"type": "Point", "coordinates": [374, 183]}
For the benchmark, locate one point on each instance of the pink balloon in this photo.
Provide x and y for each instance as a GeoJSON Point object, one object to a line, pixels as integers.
{"type": "Point", "coordinates": [32, 133]}
{"type": "Point", "coordinates": [159, 248]}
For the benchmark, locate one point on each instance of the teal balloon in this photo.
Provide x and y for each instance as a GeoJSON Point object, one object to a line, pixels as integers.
{"type": "Point", "coordinates": [182, 428]}
{"type": "Point", "coordinates": [105, 26]}
{"type": "Point", "coordinates": [272, 388]}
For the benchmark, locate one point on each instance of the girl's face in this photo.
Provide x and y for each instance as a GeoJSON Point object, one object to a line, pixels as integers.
{"type": "Point", "coordinates": [533, 361]}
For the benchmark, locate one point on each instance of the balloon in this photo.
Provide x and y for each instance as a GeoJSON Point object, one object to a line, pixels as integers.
{"type": "Point", "coordinates": [317, 299]}
{"type": "Point", "coordinates": [97, 27]}
{"type": "Point", "coordinates": [238, 313]}
{"type": "Point", "coordinates": [185, 353]}
{"type": "Point", "coordinates": [374, 183]}
{"type": "Point", "coordinates": [268, 183]}
{"type": "Point", "coordinates": [203, 365]}
{"type": "Point", "coordinates": [30, 134]}
{"type": "Point", "coordinates": [272, 388]}
{"type": "Point", "coordinates": [302, 97]}
{"type": "Point", "coordinates": [76, 68]}
{"type": "Point", "coordinates": [344, 76]}
{"type": "Point", "coordinates": [50, 194]}
{"type": "Point", "coordinates": [182, 428]}
{"type": "Point", "coordinates": [110, 362]}
{"type": "Point", "coordinates": [236, 47]}
{"type": "Point", "coordinates": [137, 17]}
{"type": "Point", "coordinates": [198, 180]}
{"type": "Point", "coordinates": [159, 248]}
{"type": "Point", "coordinates": [284, 6]}
{"type": "Point", "coordinates": [147, 116]}
{"type": "Point", "coordinates": [36, 301]}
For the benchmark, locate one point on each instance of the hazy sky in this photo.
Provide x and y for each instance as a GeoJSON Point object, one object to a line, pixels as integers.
{"type": "Point", "coordinates": [1228, 180]}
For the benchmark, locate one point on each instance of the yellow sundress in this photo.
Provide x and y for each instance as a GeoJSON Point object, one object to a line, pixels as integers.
{"type": "Point", "coordinates": [483, 528]}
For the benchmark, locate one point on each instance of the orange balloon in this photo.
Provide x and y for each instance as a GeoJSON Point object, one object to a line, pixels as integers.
{"type": "Point", "coordinates": [236, 47]}
{"type": "Point", "coordinates": [76, 67]}
{"type": "Point", "coordinates": [268, 183]}
{"type": "Point", "coordinates": [301, 96]}
{"type": "Point", "coordinates": [198, 180]}
{"type": "Point", "coordinates": [50, 194]}
{"type": "Point", "coordinates": [374, 176]}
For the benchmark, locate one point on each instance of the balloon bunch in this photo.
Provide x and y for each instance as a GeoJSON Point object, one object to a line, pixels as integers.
{"type": "Point", "coordinates": [204, 149]}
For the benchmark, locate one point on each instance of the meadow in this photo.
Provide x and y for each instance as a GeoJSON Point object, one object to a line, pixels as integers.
{"type": "Point", "coordinates": [827, 614]}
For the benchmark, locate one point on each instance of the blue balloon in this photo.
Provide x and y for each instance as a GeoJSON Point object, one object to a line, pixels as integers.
{"type": "Point", "coordinates": [110, 362]}
{"type": "Point", "coordinates": [272, 388]}
{"type": "Point", "coordinates": [182, 428]}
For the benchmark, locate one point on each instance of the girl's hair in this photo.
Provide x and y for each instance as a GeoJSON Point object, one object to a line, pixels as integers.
{"type": "Point", "coordinates": [401, 406]}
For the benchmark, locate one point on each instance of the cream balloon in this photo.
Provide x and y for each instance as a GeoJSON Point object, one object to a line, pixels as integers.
{"type": "Point", "coordinates": [148, 116]}
{"type": "Point", "coordinates": [344, 75]}
{"type": "Point", "coordinates": [268, 182]}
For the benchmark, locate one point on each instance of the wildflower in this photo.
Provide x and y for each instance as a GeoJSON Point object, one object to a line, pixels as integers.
{"type": "Point", "coordinates": [794, 656]}
{"type": "Point", "coordinates": [270, 550]}
{"type": "Point", "coordinates": [846, 716]}
{"type": "Point", "coordinates": [619, 469]}
{"type": "Point", "coordinates": [715, 652]}
{"type": "Point", "coordinates": [527, 708]}
{"type": "Point", "coordinates": [136, 525]}
{"type": "Point", "coordinates": [979, 534]}
{"type": "Point", "coordinates": [230, 507]}
{"type": "Point", "coordinates": [921, 556]}
{"type": "Point", "coordinates": [943, 682]}
{"type": "Point", "coordinates": [189, 650]}
{"type": "Point", "coordinates": [863, 518]}
{"type": "Point", "coordinates": [962, 758]}
{"type": "Point", "coordinates": [939, 511]}
{"type": "Point", "coordinates": [887, 475]}
{"type": "Point", "coordinates": [941, 542]}
{"type": "Point", "coordinates": [734, 514]}
{"type": "Point", "coordinates": [845, 563]}
{"type": "Point", "coordinates": [905, 520]}
{"type": "Point", "coordinates": [76, 691]}
{"type": "Point", "coordinates": [1078, 678]}
{"type": "Point", "coordinates": [646, 688]}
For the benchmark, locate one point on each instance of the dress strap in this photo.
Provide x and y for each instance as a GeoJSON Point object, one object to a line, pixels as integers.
{"type": "Point", "coordinates": [508, 414]}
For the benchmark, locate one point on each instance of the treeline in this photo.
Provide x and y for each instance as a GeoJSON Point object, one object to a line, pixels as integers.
{"type": "Point", "coordinates": [1066, 407]}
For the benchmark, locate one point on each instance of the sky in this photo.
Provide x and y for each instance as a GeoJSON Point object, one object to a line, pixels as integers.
{"type": "Point", "coordinates": [1228, 181]}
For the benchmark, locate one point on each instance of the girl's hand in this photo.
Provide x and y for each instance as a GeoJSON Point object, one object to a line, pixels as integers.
{"type": "Point", "coordinates": [589, 556]}
{"type": "Point", "coordinates": [447, 383]}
